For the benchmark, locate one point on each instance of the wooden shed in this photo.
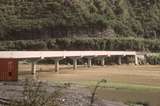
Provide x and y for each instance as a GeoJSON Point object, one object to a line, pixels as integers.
{"type": "Point", "coordinates": [8, 69]}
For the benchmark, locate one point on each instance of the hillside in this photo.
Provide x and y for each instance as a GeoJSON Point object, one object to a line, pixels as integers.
{"type": "Point", "coordinates": [43, 19]}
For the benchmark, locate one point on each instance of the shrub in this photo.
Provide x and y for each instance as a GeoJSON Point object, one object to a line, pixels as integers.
{"type": "Point", "coordinates": [34, 94]}
{"type": "Point", "coordinates": [154, 59]}
{"type": "Point", "coordinates": [113, 44]}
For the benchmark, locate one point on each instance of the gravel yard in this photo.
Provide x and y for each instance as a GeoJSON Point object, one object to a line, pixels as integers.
{"type": "Point", "coordinates": [73, 95]}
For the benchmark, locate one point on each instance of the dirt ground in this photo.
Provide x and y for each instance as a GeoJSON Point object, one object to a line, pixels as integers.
{"type": "Point", "coordinates": [128, 74]}
{"type": "Point", "coordinates": [145, 74]}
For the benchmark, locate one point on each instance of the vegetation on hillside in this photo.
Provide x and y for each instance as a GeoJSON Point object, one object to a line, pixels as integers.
{"type": "Point", "coordinates": [130, 44]}
{"type": "Point", "coordinates": [41, 19]}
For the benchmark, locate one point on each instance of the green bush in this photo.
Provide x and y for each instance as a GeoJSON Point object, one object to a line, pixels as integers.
{"type": "Point", "coordinates": [154, 59]}
{"type": "Point", "coordinates": [113, 44]}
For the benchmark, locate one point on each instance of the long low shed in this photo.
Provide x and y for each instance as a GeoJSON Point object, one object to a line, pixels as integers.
{"type": "Point", "coordinates": [6, 57]}
{"type": "Point", "coordinates": [49, 54]}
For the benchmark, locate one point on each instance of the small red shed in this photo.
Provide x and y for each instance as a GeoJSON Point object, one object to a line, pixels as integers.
{"type": "Point", "coordinates": [8, 69]}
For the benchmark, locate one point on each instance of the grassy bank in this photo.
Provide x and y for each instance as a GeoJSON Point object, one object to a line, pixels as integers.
{"type": "Point", "coordinates": [113, 85]}
{"type": "Point", "coordinates": [130, 94]}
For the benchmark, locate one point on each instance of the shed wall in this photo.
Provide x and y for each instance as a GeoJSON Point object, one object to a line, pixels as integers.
{"type": "Point", "coordinates": [8, 69]}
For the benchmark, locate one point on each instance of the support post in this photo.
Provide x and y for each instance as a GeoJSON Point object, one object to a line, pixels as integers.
{"type": "Point", "coordinates": [34, 67]}
{"type": "Point", "coordinates": [136, 60]}
{"type": "Point", "coordinates": [74, 63]}
{"type": "Point", "coordinates": [89, 61]}
{"type": "Point", "coordinates": [119, 60]}
{"type": "Point", "coordinates": [102, 61]}
{"type": "Point", "coordinates": [57, 65]}
{"type": "Point", "coordinates": [75, 59]}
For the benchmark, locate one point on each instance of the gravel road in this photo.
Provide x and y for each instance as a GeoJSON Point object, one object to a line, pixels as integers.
{"type": "Point", "coordinates": [73, 95]}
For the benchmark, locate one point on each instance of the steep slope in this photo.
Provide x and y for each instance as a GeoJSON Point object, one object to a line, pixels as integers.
{"type": "Point", "coordinates": [36, 19]}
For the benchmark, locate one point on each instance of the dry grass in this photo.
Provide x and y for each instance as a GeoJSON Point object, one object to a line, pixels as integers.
{"type": "Point", "coordinates": [146, 75]}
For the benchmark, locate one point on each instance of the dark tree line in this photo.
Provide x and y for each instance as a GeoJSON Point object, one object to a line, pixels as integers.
{"type": "Point", "coordinates": [117, 44]}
